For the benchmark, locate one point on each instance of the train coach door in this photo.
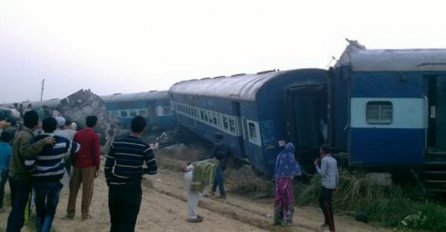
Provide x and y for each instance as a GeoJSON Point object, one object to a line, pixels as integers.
{"type": "Point", "coordinates": [436, 94]}
{"type": "Point", "coordinates": [434, 173]}
{"type": "Point", "coordinates": [240, 129]}
{"type": "Point", "coordinates": [306, 116]}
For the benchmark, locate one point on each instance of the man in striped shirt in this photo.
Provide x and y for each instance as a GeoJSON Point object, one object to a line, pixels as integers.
{"type": "Point", "coordinates": [123, 172]}
{"type": "Point", "coordinates": [47, 168]}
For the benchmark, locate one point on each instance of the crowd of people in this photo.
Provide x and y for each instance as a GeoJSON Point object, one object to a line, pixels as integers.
{"type": "Point", "coordinates": [37, 155]}
{"type": "Point", "coordinates": [286, 168]}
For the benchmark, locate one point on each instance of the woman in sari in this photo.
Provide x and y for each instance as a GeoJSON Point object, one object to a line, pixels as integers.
{"type": "Point", "coordinates": [285, 170]}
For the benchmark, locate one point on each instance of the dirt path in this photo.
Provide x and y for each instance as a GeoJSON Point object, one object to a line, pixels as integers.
{"type": "Point", "coordinates": [164, 209]}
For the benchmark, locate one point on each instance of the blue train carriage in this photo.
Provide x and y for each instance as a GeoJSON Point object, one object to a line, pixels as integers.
{"type": "Point", "coordinates": [255, 111]}
{"type": "Point", "coordinates": [389, 106]}
{"type": "Point", "coordinates": [153, 105]}
{"type": "Point", "coordinates": [36, 105]}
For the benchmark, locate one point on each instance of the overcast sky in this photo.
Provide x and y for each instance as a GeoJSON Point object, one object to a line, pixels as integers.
{"type": "Point", "coordinates": [134, 46]}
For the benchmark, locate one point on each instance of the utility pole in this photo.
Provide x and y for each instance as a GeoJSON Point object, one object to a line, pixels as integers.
{"type": "Point", "coordinates": [41, 91]}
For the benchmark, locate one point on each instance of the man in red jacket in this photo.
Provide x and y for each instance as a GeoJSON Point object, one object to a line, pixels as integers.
{"type": "Point", "coordinates": [85, 168]}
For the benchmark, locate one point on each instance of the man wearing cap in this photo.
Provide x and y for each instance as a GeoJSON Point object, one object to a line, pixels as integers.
{"type": "Point", "coordinates": [64, 131]}
{"type": "Point", "coordinates": [60, 130]}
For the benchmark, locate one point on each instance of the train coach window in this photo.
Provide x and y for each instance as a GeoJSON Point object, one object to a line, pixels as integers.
{"type": "Point", "coordinates": [132, 113]}
{"type": "Point", "coordinates": [206, 116]}
{"type": "Point", "coordinates": [124, 114]}
{"type": "Point", "coordinates": [167, 110]}
{"type": "Point", "coordinates": [379, 112]}
{"type": "Point", "coordinates": [159, 110]}
{"type": "Point", "coordinates": [114, 113]}
{"type": "Point", "coordinates": [214, 118]}
{"type": "Point", "coordinates": [225, 123]}
{"type": "Point", "coordinates": [253, 132]}
{"type": "Point", "coordinates": [220, 120]}
{"type": "Point", "coordinates": [232, 125]}
{"type": "Point", "coordinates": [142, 113]}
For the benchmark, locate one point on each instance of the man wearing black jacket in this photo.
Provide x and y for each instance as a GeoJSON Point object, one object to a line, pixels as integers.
{"type": "Point", "coordinates": [221, 152]}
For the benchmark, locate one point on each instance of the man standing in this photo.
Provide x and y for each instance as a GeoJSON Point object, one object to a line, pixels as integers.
{"type": "Point", "coordinates": [19, 178]}
{"type": "Point", "coordinates": [110, 136]}
{"type": "Point", "coordinates": [221, 152]}
{"type": "Point", "coordinates": [123, 172]}
{"type": "Point", "coordinates": [47, 169]}
{"type": "Point", "coordinates": [70, 132]}
{"type": "Point", "coordinates": [85, 168]}
{"type": "Point", "coordinates": [197, 176]}
{"type": "Point", "coordinates": [328, 170]}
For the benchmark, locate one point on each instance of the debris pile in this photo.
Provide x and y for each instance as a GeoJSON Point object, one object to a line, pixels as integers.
{"type": "Point", "coordinates": [83, 103]}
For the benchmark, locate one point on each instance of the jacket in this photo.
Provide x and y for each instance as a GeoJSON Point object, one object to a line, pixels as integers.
{"type": "Point", "coordinates": [23, 148]}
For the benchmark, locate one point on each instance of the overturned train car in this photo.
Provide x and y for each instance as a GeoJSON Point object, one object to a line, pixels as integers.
{"type": "Point", "coordinates": [254, 112]}
{"type": "Point", "coordinates": [380, 109]}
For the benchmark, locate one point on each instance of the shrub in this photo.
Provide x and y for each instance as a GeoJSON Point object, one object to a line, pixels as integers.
{"type": "Point", "coordinates": [384, 205]}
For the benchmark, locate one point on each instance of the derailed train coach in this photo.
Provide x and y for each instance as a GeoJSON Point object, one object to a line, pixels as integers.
{"type": "Point", "coordinates": [388, 111]}
{"type": "Point", "coordinates": [153, 105]}
{"type": "Point", "coordinates": [382, 110]}
{"type": "Point", "coordinates": [388, 108]}
{"type": "Point", "coordinates": [256, 111]}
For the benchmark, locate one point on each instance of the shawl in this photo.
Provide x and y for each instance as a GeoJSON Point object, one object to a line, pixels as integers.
{"type": "Point", "coordinates": [203, 174]}
{"type": "Point", "coordinates": [286, 164]}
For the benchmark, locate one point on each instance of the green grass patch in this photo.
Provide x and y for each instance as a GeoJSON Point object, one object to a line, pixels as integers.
{"type": "Point", "coordinates": [384, 205]}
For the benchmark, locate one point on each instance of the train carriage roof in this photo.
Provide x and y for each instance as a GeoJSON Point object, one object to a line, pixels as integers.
{"type": "Point", "coordinates": [151, 95]}
{"type": "Point", "coordinates": [38, 104]}
{"type": "Point", "coordinates": [368, 60]}
{"type": "Point", "coordinates": [240, 86]}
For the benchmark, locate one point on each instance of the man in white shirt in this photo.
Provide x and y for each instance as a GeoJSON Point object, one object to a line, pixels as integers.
{"type": "Point", "coordinates": [327, 168]}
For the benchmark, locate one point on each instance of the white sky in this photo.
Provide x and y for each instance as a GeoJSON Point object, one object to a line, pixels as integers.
{"type": "Point", "coordinates": [132, 46]}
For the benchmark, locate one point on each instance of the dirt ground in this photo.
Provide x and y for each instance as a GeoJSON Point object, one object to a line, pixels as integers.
{"type": "Point", "coordinates": [163, 209]}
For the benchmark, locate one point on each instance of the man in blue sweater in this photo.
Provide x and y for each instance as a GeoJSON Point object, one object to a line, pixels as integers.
{"type": "Point", "coordinates": [47, 168]}
{"type": "Point", "coordinates": [123, 173]}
